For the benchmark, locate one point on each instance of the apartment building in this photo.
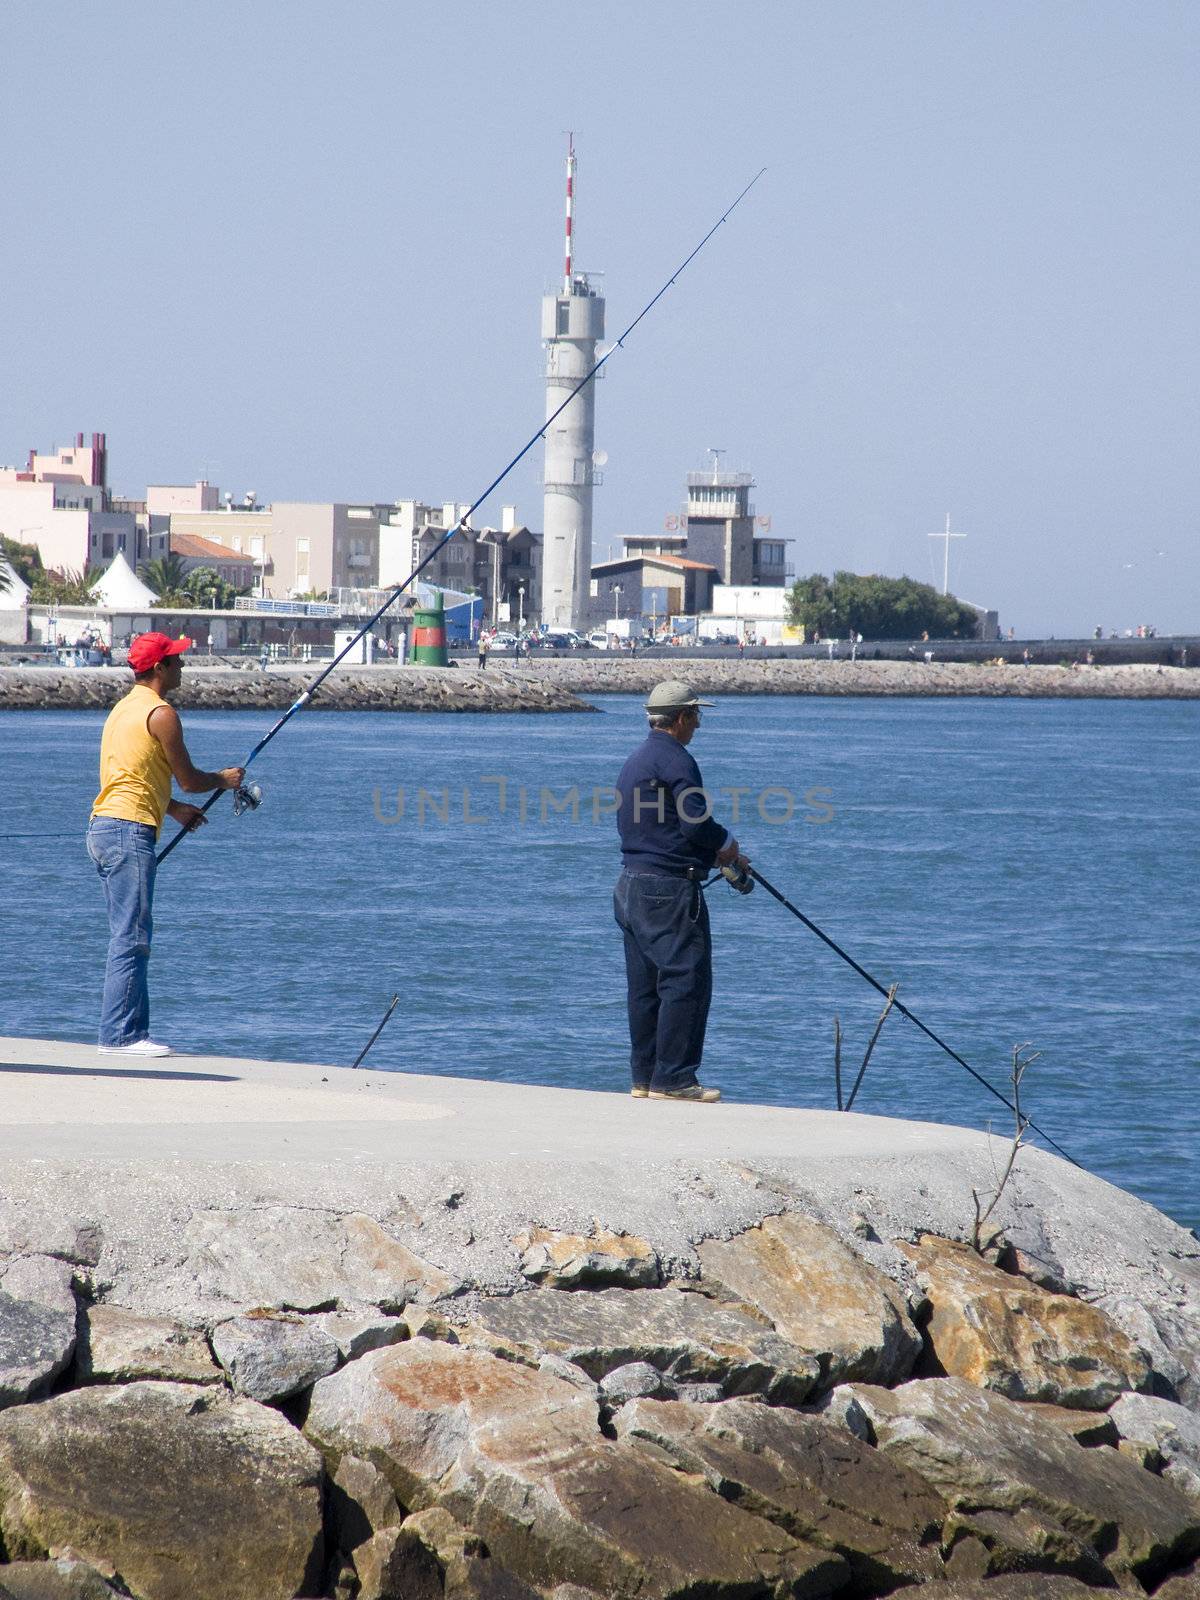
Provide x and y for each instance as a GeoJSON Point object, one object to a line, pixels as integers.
{"type": "Point", "coordinates": [59, 501]}
{"type": "Point", "coordinates": [503, 565]}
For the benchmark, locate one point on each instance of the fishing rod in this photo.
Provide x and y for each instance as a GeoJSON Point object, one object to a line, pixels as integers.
{"type": "Point", "coordinates": [360, 1057]}
{"type": "Point", "coordinates": [737, 880]}
{"type": "Point", "coordinates": [587, 378]}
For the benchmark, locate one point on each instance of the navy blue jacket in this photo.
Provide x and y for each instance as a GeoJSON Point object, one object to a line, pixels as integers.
{"type": "Point", "coordinates": [660, 831]}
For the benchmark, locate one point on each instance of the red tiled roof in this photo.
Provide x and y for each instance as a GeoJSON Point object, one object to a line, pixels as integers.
{"type": "Point", "coordinates": [622, 563]}
{"type": "Point", "coordinates": [194, 547]}
{"type": "Point", "coordinates": [680, 561]}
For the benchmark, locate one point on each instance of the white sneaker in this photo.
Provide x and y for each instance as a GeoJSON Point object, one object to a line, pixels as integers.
{"type": "Point", "coordinates": [140, 1049]}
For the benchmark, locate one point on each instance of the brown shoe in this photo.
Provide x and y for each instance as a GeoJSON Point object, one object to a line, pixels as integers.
{"type": "Point", "coordinates": [640, 1091]}
{"type": "Point", "coordinates": [694, 1091]}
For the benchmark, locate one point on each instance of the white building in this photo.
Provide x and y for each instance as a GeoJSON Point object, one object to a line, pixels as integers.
{"type": "Point", "coordinates": [572, 323]}
{"type": "Point", "coordinates": [747, 612]}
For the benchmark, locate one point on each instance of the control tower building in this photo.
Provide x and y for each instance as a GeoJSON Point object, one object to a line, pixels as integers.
{"type": "Point", "coordinates": [572, 323]}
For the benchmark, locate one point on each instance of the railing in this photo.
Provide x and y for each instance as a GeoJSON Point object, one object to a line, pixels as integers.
{"type": "Point", "coordinates": [285, 608]}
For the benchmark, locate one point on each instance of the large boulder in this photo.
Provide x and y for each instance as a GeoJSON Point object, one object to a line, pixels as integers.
{"type": "Point", "coordinates": [432, 1557]}
{"type": "Point", "coordinates": [592, 1261]}
{"type": "Point", "coordinates": [360, 1504]}
{"type": "Point", "coordinates": [820, 1296]}
{"type": "Point", "coordinates": [986, 1454]}
{"type": "Point", "coordinates": [411, 1410]}
{"type": "Point", "coordinates": [117, 1345]}
{"type": "Point", "coordinates": [37, 1326]}
{"type": "Point", "coordinates": [1170, 1336]}
{"type": "Point", "coordinates": [185, 1490]}
{"type": "Point", "coordinates": [617, 1524]}
{"type": "Point", "coordinates": [62, 1579]}
{"type": "Point", "coordinates": [1085, 1427]}
{"type": "Point", "coordinates": [1172, 1430]}
{"type": "Point", "coordinates": [686, 1336]}
{"type": "Point", "coordinates": [809, 1476]}
{"type": "Point", "coordinates": [272, 1355]}
{"type": "Point", "coordinates": [356, 1332]}
{"type": "Point", "coordinates": [516, 1455]}
{"type": "Point", "coordinates": [305, 1260]}
{"type": "Point", "coordinates": [1003, 1333]}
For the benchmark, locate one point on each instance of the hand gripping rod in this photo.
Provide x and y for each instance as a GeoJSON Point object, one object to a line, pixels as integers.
{"type": "Point", "coordinates": [905, 1012]}
{"type": "Point", "coordinates": [304, 699]}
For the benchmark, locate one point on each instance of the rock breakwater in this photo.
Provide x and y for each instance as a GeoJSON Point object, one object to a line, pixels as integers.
{"type": "Point", "coordinates": [590, 674]}
{"type": "Point", "coordinates": [569, 683]}
{"type": "Point", "coordinates": [744, 1381]}
{"type": "Point", "coordinates": [388, 688]}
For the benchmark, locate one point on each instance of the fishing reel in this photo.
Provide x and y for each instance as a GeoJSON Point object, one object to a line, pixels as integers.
{"type": "Point", "coordinates": [737, 877]}
{"type": "Point", "coordinates": [248, 798]}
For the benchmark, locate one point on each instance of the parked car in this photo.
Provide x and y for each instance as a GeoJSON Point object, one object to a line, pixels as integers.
{"type": "Point", "coordinates": [561, 639]}
{"type": "Point", "coordinates": [598, 639]}
{"type": "Point", "coordinates": [503, 641]}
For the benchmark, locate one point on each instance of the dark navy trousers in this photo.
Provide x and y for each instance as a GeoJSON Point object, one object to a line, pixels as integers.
{"type": "Point", "coordinates": [668, 974]}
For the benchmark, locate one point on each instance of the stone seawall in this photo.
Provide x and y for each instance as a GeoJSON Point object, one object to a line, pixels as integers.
{"type": "Point", "coordinates": [271, 1331]}
{"type": "Point", "coordinates": [567, 683]}
{"type": "Point", "coordinates": [249, 689]}
{"type": "Point", "coordinates": [592, 674]}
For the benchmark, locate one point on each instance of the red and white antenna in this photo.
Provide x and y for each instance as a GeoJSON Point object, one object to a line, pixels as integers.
{"type": "Point", "coordinates": [570, 208]}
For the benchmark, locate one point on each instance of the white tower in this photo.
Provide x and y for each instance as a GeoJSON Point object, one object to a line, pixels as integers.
{"type": "Point", "coordinates": [572, 322]}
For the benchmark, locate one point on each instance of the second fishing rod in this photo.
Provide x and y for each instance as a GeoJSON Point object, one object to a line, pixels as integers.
{"type": "Point", "coordinates": [743, 880]}
{"type": "Point", "coordinates": [588, 377]}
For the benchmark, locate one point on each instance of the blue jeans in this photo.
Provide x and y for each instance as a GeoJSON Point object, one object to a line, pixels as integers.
{"type": "Point", "coordinates": [124, 856]}
{"type": "Point", "coordinates": [668, 975]}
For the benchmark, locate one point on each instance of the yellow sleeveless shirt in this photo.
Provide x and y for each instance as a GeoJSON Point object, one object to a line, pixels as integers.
{"type": "Point", "coordinates": [135, 776]}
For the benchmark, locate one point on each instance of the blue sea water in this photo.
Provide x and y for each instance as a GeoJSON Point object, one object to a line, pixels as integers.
{"type": "Point", "coordinates": [1025, 870]}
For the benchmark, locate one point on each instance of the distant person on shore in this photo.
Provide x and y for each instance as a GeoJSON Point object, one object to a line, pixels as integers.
{"type": "Point", "coordinates": [669, 844]}
{"type": "Point", "coordinates": [264, 655]}
{"type": "Point", "coordinates": [141, 748]}
{"type": "Point", "coordinates": [485, 644]}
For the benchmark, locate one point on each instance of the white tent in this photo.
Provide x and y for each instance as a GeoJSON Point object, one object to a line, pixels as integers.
{"type": "Point", "coordinates": [15, 593]}
{"type": "Point", "coordinates": [120, 589]}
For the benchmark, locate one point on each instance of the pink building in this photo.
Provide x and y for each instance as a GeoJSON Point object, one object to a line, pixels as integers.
{"type": "Point", "coordinates": [75, 463]}
{"type": "Point", "coordinates": [59, 501]}
{"type": "Point", "coordinates": [164, 498]}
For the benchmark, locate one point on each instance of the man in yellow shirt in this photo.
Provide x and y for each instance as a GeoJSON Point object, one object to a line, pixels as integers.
{"type": "Point", "coordinates": [140, 750]}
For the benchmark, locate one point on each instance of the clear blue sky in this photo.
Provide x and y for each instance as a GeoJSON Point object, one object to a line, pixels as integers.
{"type": "Point", "coordinates": [301, 248]}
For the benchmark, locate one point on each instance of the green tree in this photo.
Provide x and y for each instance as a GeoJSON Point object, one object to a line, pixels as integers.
{"type": "Point", "coordinates": [167, 576]}
{"type": "Point", "coordinates": [69, 587]}
{"type": "Point", "coordinates": [206, 585]}
{"type": "Point", "coordinates": [24, 559]}
{"type": "Point", "coordinates": [877, 607]}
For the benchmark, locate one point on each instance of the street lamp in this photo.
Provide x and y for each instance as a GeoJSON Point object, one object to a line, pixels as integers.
{"type": "Point", "coordinates": [520, 608]}
{"type": "Point", "coordinates": [616, 602]}
{"type": "Point", "coordinates": [260, 556]}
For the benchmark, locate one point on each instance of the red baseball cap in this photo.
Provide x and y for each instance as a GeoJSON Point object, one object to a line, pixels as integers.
{"type": "Point", "coordinates": [148, 649]}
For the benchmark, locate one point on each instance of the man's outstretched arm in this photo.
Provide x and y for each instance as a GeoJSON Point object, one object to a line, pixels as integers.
{"type": "Point", "coordinates": [163, 722]}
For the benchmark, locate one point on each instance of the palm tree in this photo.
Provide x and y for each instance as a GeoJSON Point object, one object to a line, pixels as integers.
{"type": "Point", "coordinates": [166, 575]}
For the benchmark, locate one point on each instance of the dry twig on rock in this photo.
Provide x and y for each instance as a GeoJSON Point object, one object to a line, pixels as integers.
{"type": "Point", "coordinates": [1020, 1063]}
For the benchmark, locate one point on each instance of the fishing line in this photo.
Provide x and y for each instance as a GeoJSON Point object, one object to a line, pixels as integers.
{"type": "Point", "coordinates": [587, 378]}
{"type": "Point", "coordinates": [73, 834]}
{"type": "Point", "coordinates": [905, 1012]}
